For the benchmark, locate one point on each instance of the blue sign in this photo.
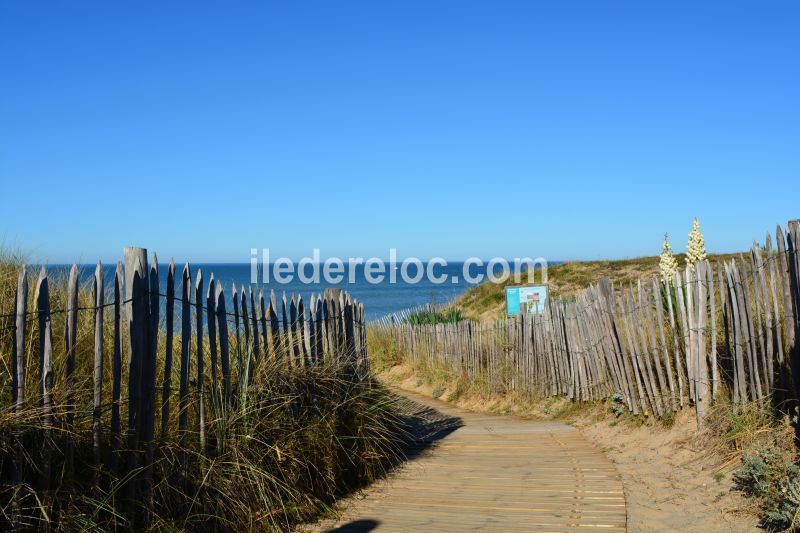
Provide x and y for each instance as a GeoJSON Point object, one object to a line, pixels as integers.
{"type": "Point", "coordinates": [526, 299]}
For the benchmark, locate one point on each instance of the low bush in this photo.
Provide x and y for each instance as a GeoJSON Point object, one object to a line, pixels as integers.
{"type": "Point", "coordinates": [449, 316]}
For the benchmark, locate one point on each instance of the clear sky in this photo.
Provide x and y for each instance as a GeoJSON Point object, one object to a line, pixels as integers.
{"type": "Point", "coordinates": [453, 128]}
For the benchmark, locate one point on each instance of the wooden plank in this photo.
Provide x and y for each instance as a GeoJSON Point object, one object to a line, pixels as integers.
{"type": "Point", "coordinates": [690, 297]}
{"type": "Point", "coordinates": [713, 334]}
{"type": "Point", "coordinates": [297, 342]}
{"type": "Point", "coordinates": [751, 370]}
{"type": "Point", "coordinates": [136, 313]}
{"type": "Point", "coordinates": [728, 361]}
{"type": "Point", "coordinates": [98, 292]}
{"type": "Point", "coordinates": [644, 359]}
{"type": "Point", "coordinates": [287, 338]}
{"type": "Point", "coordinates": [237, 336]}
{"type": "Point", "coordinates": [656, 293]}
{"type": "Point", "coordinates": [313, 329]}
{"type": "Point", "coordinates": [42, 297]}
{"type": "Point", "coordinates": [793, 270]}
{"type": "Point", "coordinates": [349, 330]}
{"type": "Point", "coordinates": [262, 317]}
{"type": "Point", "coordinates": [247, 348]}
{"type": "Point", "coordinates": [201, 376]}
{"type": "Point", "coordinates": [275, 332]}
{"type": "Point", "coordinates": [684, 329]}
{"type": "Point", "coordinates": [746, 312]}
{"type": "Point", "coordinates": [149, 384]}
{"type": "Point", "coordinates": [637, 365]}
{"type": "Point", "coordinates": [759, 337]}
{"type": "Point", "coordinates": [18, 391]}
{"type": "Point", "coordinates": [71, 340]}
{"type": "Point", "coordinates": [670, 292]}
{"type": "Point", "coordinates": [224, 350]}
{"type": "Point", "coordinates": [322, 329]}
{"type": "Point", "coordinates": [211, 321]}
{"type": "Point", "coordinates": [605, 313]}
{"type": "Point", "coordinates": [137, 335]}
{"type": "Point", "coordinates": [632, 400]}
{"type": "Point", "coordinates": [495, 474]}
{"type": "Point", "coordinates": [183, 401]}
{"type": "Point", "coordinates": [783, 369]}
{"type": "Point", "coordinates": [256, 319]}
{"type": "Point", "coordinates": [116, 365]}
{"type": "Point", "coordinates": [20, 324]}
{"type": "Point", "coordinates": [740, 382]}
{"type": "Point", "coordinates": [703, 394]}
{"type": "Point", "coordinates": [763, 310]}
{"type": "Point", "coordinates": [788, 312]}
{"type": "Point", "coordinates": [166, 383]}
{"type": "Point", "coordinates": [647, 319]}
{"type": "Point", "coordinates": [302, 330]}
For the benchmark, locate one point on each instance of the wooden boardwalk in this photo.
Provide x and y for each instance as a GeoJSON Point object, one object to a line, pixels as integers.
{"type": "Point", "coordinates": [493, 473]}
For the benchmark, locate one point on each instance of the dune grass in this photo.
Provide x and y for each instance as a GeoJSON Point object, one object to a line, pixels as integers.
{"type": "Point", "coordinates": [447, 316]}
{"type": "Point", "coordinates": [288, 445]}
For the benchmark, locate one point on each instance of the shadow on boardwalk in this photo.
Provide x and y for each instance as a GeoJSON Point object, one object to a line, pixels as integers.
{"type": "Point", "coordinates": [469, 471]}
{"type": "Point", "coordinates": [425, 426]}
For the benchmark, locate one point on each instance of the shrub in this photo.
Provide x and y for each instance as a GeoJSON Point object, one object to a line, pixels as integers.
{"type": "Point", "coordinates": [449, 316]}
{"type": "Point", "coordinates": [617, 404]}
{"type": "Point", "coordinates": [772, 477]}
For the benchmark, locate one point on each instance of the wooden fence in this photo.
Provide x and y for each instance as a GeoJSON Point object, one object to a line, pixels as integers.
{"type": "Point", "coordinates": [222, 343]}
{"type": "Point", "coordinates": [659, 345]}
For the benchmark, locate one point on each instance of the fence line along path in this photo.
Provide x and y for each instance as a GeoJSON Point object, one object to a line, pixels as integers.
{"type": "Point", "coordinates": [657, 346]}
{"type": "Point", "coordinates": [493, 473]}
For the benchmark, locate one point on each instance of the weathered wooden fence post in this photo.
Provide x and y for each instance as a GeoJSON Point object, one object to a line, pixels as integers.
{"type": "Point", "coordinates": [138, 325]}
{"type": "Point", "coordinates": [116, 385]}
{"type": "Point", "coordinates": [198, 301]}
{"type": "Point", "coordinates": [98, 290]}
{"type": "Point", "coordinates": [18, 388]}
{"type": "Point", "coordinates": [183, 403]}
{"type": "Point", "coordinates": [166, 383]}
{"type": "Point", "coordinates": [222, 330]}
{"type": "Point", "coordinates": [45, 373]}
{"type": "Point", "coordinates": [70, 337]}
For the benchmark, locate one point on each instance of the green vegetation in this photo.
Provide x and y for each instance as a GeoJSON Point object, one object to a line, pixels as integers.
{"type": "Point", "coordinates": [765, 445]}
{"type": "Point", "coordinates": [668, 419]}
{"type": "Point", "coordinates": [448, 316]}
{"type": "Point", "coordinates": [298, 438]}
{"type": "Point", "coordinates": [773, 478]}
{"type": "Point", "coordinates": [617, 407]}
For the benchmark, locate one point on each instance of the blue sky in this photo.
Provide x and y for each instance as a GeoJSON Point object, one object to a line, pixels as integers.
{"type": "Point", "coordinates": [453, 128]}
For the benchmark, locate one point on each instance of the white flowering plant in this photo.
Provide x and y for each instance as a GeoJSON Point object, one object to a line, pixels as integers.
{"type": "Point", "coordinates": [696, 248]}
{"type": "Point", "coordinates": [667, 265]}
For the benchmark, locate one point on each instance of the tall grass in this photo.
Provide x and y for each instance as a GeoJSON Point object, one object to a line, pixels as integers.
{"type": "Point", "coordinates": [286, 447]}
{"type": "Point", "coordinates": [449, 316]}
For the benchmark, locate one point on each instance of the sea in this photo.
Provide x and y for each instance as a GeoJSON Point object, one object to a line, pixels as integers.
{"type": "Point", "coordinates": [379, 299]}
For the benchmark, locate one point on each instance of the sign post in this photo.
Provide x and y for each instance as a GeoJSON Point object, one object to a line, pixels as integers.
{"type": "Point", "coordinates": [526, 299]}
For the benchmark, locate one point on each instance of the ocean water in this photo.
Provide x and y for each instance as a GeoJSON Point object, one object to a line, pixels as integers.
{"type": "Point", "coordinates": [378, 299]}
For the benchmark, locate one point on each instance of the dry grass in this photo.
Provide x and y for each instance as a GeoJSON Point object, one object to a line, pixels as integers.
{"type": "Point", "coordinates": [289, 444]}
